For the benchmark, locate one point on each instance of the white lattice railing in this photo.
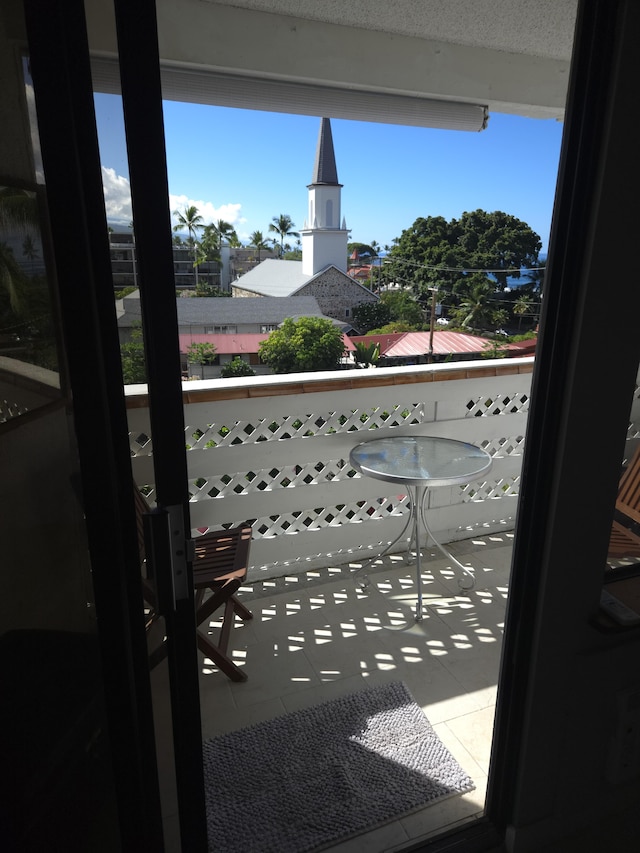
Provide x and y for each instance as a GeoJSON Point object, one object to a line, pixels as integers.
{"type": "Point", "coordinates": [274, 450]}
{"type": "Point", "coordinates": [25, 387]}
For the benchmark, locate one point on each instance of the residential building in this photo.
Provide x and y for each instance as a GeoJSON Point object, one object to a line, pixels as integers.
{"type": "Point", "coordinates": [234, 326]}
{"type": "Point", "coordinates": [234, 262]}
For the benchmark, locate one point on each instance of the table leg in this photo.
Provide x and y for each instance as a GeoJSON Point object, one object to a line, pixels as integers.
{"type": "Point", "coordinates": [364, 580]}
{"type": "Point", "coordinates": [417, 499]}
{"type": "Point", "coordinates": [467, 581]}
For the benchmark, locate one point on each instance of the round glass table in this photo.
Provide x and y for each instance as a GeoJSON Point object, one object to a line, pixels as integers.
{"type": "Point", "coordinates": [421, 463]}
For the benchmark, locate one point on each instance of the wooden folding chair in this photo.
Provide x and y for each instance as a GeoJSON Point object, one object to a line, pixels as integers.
{"type": "Point", "coordinates": [625, 541]}
{"type": "Point", "coordinates": [221, 559]}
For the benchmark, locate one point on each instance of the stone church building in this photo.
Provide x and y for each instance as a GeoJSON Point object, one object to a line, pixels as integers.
{"type": "Point", "coordinates": [322, 272]}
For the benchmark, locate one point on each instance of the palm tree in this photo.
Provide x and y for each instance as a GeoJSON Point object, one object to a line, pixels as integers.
{"type": "Point", "coordinates": [283, 225]}
{"type": "Point", "coordinates": [522, 306]}
{"type": "Point", "coordinates": [18, 211]}
{"type": "Point", "coordinates": [258, 242]}
{"type": "Point", "coordinates": [475, 310]}
{"type": "Point", "coordinates": [192, 221]}
{"type": "Point", "coordinates": [224, 231]}
{"type": "Point", "coordinates": [214, 235]}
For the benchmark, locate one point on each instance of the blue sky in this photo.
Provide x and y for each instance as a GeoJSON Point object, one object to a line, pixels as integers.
{"type": "Point", "coordinates": [247, 167]}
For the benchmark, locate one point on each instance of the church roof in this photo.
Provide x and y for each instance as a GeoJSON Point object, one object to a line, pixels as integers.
{"type": "Point", "coordinates": [324, 170]}
{"type": "Point", "coordinates": [217, 311]}
{"type": "Point", "coordinates": [273, 278]}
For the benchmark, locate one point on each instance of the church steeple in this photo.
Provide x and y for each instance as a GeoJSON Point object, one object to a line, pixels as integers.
{"type": "Point", "coordinates": [324, 235]}
{"type": "Point", "coordinates": [324, 170]}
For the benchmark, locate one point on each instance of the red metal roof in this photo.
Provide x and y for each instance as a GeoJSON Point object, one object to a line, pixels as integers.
{"type": "Point", "coordinates": [407, 344]}
{"type": "Point", "coordinates": [235, 344]}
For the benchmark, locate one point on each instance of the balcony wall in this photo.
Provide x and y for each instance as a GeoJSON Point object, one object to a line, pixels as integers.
{"type": "Point", "coordinates": [25, 387]}
{"type": "Point", "coordinates": [274, 450]}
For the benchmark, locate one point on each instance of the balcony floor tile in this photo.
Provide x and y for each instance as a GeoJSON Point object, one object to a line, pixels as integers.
{"type": "Point", "coordinates": [311, 641]}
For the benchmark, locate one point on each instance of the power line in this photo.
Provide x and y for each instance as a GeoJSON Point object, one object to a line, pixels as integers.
{"type": "Point", "coordinates": [459, 269]}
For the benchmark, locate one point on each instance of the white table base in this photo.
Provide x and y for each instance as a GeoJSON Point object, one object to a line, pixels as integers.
{"type": "Point", "coordinates": [417, 515]}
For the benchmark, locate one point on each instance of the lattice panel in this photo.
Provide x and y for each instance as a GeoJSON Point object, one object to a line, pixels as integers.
{"type": "Point", "coordinates": [500, 404]}
{"type": "Point", "coordinates": [11, 410]}
{"type": "Point", "coordinates": [206, 436]}
{"type": "Point", "coordinates": [270, 479]}
{"type": "Point", "coordinates": [505, 487]}
{"type": "Point", "coordinates": [140, 444]}
{"type": "Point", "coordinates": [510, 446]}
{"type": "Point", "coordinates": [316, 519]}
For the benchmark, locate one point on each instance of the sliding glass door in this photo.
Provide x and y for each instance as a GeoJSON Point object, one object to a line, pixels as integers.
{"type": "Point", "coordinates": [59, 62]}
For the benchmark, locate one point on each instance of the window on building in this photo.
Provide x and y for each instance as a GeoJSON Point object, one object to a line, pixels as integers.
{"type": "Point", "coordinates": [268, 327]}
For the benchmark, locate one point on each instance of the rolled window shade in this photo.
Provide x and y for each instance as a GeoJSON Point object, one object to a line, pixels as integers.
{"type": "Point", "coordinates": [260, 93]}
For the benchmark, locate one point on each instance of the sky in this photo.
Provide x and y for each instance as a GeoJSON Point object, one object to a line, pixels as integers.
{"type": "Point", "coordinates": [247, 167]}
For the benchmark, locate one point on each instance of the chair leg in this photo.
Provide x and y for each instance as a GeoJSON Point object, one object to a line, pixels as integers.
{"type": "Point", "coordinates": [232, 607]}
{"type": "Point", "coordinates": [224, 663]}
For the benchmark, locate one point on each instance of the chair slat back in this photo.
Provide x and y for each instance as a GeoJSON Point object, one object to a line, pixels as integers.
{"type": "Point", "coordinates": [142, 507]}
{"type": "Point", "coordinates": [628, 501]}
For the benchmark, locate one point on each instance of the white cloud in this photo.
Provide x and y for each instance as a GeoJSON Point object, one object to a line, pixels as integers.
{"type": "Point", "coordinates": [117, 197]}
{"type": "Point", "coordinates": [209, 212]}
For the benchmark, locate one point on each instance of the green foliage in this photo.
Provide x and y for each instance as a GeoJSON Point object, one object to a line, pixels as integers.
{"type": "Point", "coordinates": [364, 250]}
{"type": "Point", "coordinates": [310, 343]}
{"type": "Point", "coordinates": [455, 256]}
{"type": "Point", "coordinates": [120, 294]}
{"type": "Point", "coordinates": [201, 353]}
{"type": "Point", "coordinates": [494, 349]}
{"type": "Point", "coordinates": [203, 288]}
{"type": "Point", "coordinates": [134, 369]}
{"type": "Point", "coordinates": [365, 354]}
{"type": "Point", "coordinates": [392, 328]}
{"type": "Point", "coordinates": [283, 226]}
{"type": "Point", "coordinates": [370, 314]}
{"type": "Point", "coordinates": [403, 308]}
{"type": "Point", "coordinates": [213, 236]}
{"type": "Point", "coordinates": [237, 367]}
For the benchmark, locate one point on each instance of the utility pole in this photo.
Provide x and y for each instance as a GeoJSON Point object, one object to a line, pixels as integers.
{"type": "Point", "coordinates": [432, 323]}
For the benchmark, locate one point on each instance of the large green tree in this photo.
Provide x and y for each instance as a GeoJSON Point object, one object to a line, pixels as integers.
{"type": "Point", "coordinates": [283, 226]}
{"type": "Point", "coordinates": [370, 315]}
{"type": "Point", "coordinates": [451, 255]}
{"type": "Point", "coordinates": [365, 251]}
{"type": "Point", "coordinates": [310, 343]}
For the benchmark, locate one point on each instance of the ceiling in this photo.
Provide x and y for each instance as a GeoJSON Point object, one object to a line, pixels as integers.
{"type": "Point", "coordinates": [512, 56]}
{"type": "Point", "coordinates": [534, 27]}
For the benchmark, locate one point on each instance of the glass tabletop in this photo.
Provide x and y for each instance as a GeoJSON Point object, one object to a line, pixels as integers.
{"type": "Point", "coordinates": [420, 460]}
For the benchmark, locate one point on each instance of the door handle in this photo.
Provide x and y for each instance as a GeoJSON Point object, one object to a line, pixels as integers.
{"type": "Point", "coordinates": [167, 551]}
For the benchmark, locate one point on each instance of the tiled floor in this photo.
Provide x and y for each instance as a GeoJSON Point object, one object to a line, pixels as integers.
{"type": "Point", "coordinates": [318, 636]}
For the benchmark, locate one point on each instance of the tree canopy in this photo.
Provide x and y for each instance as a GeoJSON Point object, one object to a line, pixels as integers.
{"type": "Point", "coordinates": [310, 343]}
{"type": "Point", "coordinates": [397, 307]}
{"type": "Point", "coordinates": [363, 250]}
{"type": "Point", "coordinates": [469, 260]}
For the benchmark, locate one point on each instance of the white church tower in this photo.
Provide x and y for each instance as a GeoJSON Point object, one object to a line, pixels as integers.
{"type": "Point", "coordinates": [324, 235]}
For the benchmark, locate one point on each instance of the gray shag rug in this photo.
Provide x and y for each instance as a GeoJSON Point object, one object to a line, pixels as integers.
{"type": "Point", "coordinates": [314, 777]}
